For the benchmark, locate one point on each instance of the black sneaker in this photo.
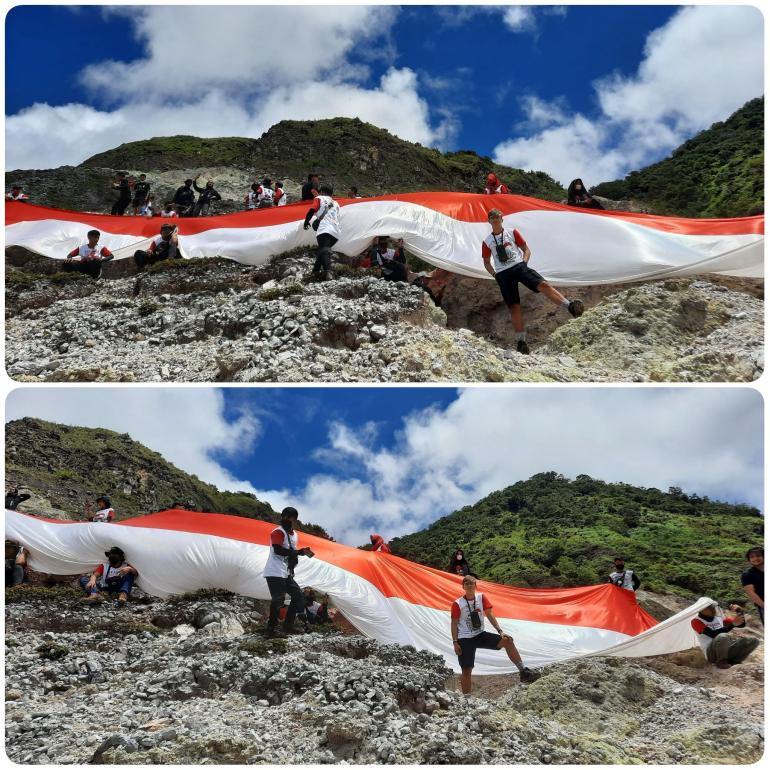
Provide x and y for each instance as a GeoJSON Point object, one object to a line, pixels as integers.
{"type": "Point", "coordinates": [275, 633]}
{"type": "Point", "coordinates": [527, 676]}
{"type": "Point", "coordinates": [522, 347]}
{"type": "Point", "coordinates": [576, 308]}
{"type": "Point", "coordinates": [292, 630]}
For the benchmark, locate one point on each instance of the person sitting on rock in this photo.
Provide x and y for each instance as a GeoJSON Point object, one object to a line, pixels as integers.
{"type": "Point", "coordinates": [14, 498]}
{"type": "Point", "coordinates": [314, 612]}
{"type": "Point", "coordinates": [392, 262]}
{"type": "Point", "coordinates": [169, 211]}
{"type": "Point", "coordinates": [719, 648]}
{"type": "Point", "coordinates": [311, 188]}
{"type": "Point", "coordinates": [89, 257]}
{"type": "Point", "coordinates": [16, 194]}
{"type": "Point", "coordinates": [458, 564]}
{"type": "Point", "coordinates": [148, 207]}
{"type": "Point", "coordinates": [207, 196]}
{"type": "Point", "coordinates": [281, 199]}
{"type": "Point", "coordinates": [506, 258]}
{"type": "Point", "coordinates": [495, 186]}
{"type": "Point", "coordinates": [122, 185]}
{"type": "Point", "coordinates": [327, 226]}
{"type": "Point", "coordinates": [141, 193]}
{"type": "Point", "coordinates": [15, 563]}
{"type": "Point", "coordinates": [163, 246]}
{"type": "Point", "coordinates": [577, 196]}
{"type": "Point", "coordinates": [378, 544]}
{"type": "Point", "coordinates": [116, 576]}
{"type": "Point", "coordinates": [104, 511]}
{"type": "Point", "coordinates": [468, 634]}
{"type": "Point", "coordinates": [265, 194]}
{"type": "Point", "coordinates": [622, 577]}
{"type": "Point", "coordinates": [279, 574]}
{"type": "Point", "coordinates": [184, 199]}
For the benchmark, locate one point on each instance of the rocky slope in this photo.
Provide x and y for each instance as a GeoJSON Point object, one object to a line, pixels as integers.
{"type": "Point", "coordinates": [192, 681]}
{"type": "Point", "coordinates": [214, 320]}
{"type": "Point", "coordinates": [343, 151]}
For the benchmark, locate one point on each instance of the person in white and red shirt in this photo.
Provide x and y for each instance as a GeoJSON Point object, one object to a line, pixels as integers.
{"type": "Point", "coordinates": [104, 511]}
{"type": "Point", "coordinates": [280, 196]}
{"type": "Point", "coordinates": [327, 226]}
{"type": "Point", "coordinates": [719, 648]}
{"type": "Point", "coordinates": [468, 634]}
{"type": "Point", "coordinates": [115, 576]}
{"type": "Point", "coordinates": [163, 246]}
{"type": "Point", "coordinates": [265, 194]}
{"type": "Point", "coordinates": [506, 258]}
{"type": "Point", "coordinates": [88, 258]}
{"type": "Point", "coordinates": [16, 194]}
{"type": "Point", "coordinates": [279, 574]}
{"type": "Point", "coordinates": [495, 186]}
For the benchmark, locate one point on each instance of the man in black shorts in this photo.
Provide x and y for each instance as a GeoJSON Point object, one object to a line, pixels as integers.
{"type": "Point", "coordinates": [468, 634]}
{"type": "Point", "coordinates": [506, 257]}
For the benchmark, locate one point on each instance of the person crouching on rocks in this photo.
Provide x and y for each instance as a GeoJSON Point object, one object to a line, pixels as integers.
{"type": "Point", "coordinates": [506, 258]}
{"type": "Point", "coordinates": [468, 634]}
{"type": "Point", "coordinates": [279, 574]}
{"type": "Point", "coordinates": [116, 576]}
{"type": "Point", "coordinates": [392, 262]}
{"type": "Point", "coordinates": [327, 227]}
{"type": "Point", "coordinates": [163, 246]}
{"type": "Point", "coordinates": [719, 648]}
{"type": "Point", "coordinates": [88, 258]}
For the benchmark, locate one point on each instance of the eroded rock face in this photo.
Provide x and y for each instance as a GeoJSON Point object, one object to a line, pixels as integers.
{"type": "Point", "coordinates": [205, 320]}
{"type": "Point", "coordinates": [171, 692]}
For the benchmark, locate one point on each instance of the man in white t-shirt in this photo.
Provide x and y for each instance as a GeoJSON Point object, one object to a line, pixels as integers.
{"type": "Point", "coordinates": [622, 577]}
{"type": "Point", "coordinates": [279, 574]}
{"type": "Point", "coordinates": [327, 227]}
{"type": "Point", "coordinates": [468, 634]}
{"type": "Point", "coordinates": [506, 258]}
{"type": "Point", "coordinates": [89, 257]}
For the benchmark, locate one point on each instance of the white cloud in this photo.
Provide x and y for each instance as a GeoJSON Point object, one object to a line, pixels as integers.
{"type": "Point", "coordinates": [185, 425]}
{"type": "Point", "coordinates": [236, 73]}
{"type": "Point", "coordinates": [698, 68]}
{"type": "Point", "coordinates": [519, 18]}
{"type": "Point", "coordinates": [707, 442]}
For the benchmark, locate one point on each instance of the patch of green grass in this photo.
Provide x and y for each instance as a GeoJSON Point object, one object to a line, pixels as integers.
{"type": "Point", "coordinates": [63, 279]}
{"type": "Point", "coordinates": [261, 648]}
{"type": "Point", "coordinates": [281, 292]}
{"type": "Point", "coordinates": [21, 280]}
{"type": "Point", "coordinates": [147, 307]}
{"type": "Point", "coordinates": [51, 651]}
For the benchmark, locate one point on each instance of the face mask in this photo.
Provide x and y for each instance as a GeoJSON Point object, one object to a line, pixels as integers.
{"type": "Point", "coordinates": [287, 523]}
{"type": "Point", "coordinates": [115, 561]}
{"type": "Point", "coordinates": [619, 567]}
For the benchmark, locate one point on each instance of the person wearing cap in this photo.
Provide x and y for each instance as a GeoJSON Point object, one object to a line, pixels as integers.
{"type": "Point", "coordinates": [16, 194]}
{"type": "Point", "coordinates": [163, 246]}
{"type": "Point", "coordinates": [327, 227]}
{"type": "Point", "coordinates": [468, 635]}
{"type": "Point", "coordinates": [207, 196]}
{"type": "Point", "coordinates": [392, 262]}
{"type": "Point", "coordinates": [506, 258]}
{"type": "Point", "coordinates": [753, 580]}
{"type": "Point", "coordinates": [712, 629]}
{"type": "Point", "coordinates": [104, 511]}
{"type": "Point", "coordinates": [115, 576]}
{"type": "Point", "coordinates": [622, 577]}
{"type": "Point", "coordinates": [184, 198]}
{"type": "Point", "coordinates": [495, 186]}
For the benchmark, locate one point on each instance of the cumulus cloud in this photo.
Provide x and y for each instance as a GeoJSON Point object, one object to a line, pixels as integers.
{"type": "Point", "coordinates": [185, 425]}
{"type": "Point", "coordinates": [263, 65]}
{"type": "Point", "coordinates": [702, 441]}
{"type": "Point", "coordinates": [699, 67]}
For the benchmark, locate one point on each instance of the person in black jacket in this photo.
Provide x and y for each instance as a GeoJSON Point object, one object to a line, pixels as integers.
{"type": "Point", "coordinates": [184, 199]}
{"type": "Point", "coordinates": [311, 188]}
{"type": "Point", "coordinates": [458, 564]}
{"type": "Point", "coordinates": [14, 498]}
{"type": "Point", "coordinates": [141, 191]}
{"type": "Point", "coordinates": [124, 195]}
{"type": "Point", "coordinates": [578, 196]}
{"type": "Point", "coordinates": [207, 196]}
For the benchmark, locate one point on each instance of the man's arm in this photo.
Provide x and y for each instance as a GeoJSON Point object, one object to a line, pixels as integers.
{"type": "Point", "coordinates": [635, 581]}
{"type": "Point", "coordinates": [486, 255]}
{"type": "Point", "coordinates": [493, 621]}
{"type": "Point", "coordinates": [197, 189]}
{"type": "Point", "coordinates": [455, 629]}
{"type": "Point", "coordinates": [751, 592]}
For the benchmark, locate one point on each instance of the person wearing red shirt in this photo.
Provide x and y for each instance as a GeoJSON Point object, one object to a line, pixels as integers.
{"type": "Point", "coordinates": [713, 638]}
{"type": "Point", "coordinates": [506, 258]}
{"type": "Point", "coordinates": [468, 634]}
{"type": "Point", "coordinates": [88, 258]}
{"type": "Point", "coordinates": [378, 544]}
{"type": "Point", "coordinates": [495, 186]}
{"type": "Point", "coordinates": [116, 575]}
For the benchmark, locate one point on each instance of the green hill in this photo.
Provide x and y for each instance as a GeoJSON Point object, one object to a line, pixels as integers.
{"type": "Point", "coordinates": [550, 531]}
{"type": "Point", "coordinates": [718, 173]}
{"type": "Point", "coordinates": [65, 465]}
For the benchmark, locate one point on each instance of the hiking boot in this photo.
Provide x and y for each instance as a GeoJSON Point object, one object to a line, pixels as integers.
{"type": "Point", "coordinates": [292, 630]}
{"type": "Point", "coordinates": [522, 347]}
{"type": "Point", "coordinates": [275, 633]}
{"type": "Point", "coordinates": [122, 597]}
{"type": "Point", "coordinates": [527, 676]}
{"type": "Point", "coordinates": [576, 308]}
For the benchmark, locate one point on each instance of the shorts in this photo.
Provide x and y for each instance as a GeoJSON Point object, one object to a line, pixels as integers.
{"type": "Point", "coordinates": [468, 647]}
{"type": "Point", "coordinates": [508, 280]}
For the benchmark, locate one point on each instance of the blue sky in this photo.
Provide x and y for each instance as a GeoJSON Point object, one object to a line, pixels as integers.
{"type": "Point", "coordinates": [599, 90]}
{"type": "Point", "coordinates": [393, 460]}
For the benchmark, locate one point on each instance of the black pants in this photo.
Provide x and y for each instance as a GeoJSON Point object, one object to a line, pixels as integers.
{"type": "Point", "coordinates": [92, 267]}
{"type": "Point", "coordinates": [323, 258]}
{"type": "Point", "coordinates": [120, 206]}
{"type": "Point", "coordinates": [396, 272]}
{"type": "Point", "coordinates": [279, 587]}
{"type": "Point", "coordinates": [144, 258]}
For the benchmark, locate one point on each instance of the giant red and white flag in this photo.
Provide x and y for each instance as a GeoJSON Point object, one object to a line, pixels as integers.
{"type": "Point", "coordinates": [569, 246]}
{"type": "Point", "coordinates": [386, 597]}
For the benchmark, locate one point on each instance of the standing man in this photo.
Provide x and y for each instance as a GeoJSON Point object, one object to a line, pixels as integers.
{"type": "Point", "coordinates": [141, 191]}
{"type": "Point", "coordinates": [327, 227]}
{"type": "Point", "coordinates": [124, 194]}
{"type": "Point", "coordinates": [207, 196]}
{"type": "Point", "coordinates": [310, 189]}
{"type": "Point", "coordinates": [753, 580]}
{"type": "Point", "coordinates": [184, 199]}
{"type": "Point", "coordinates": [279, 574]}
{"type": "Point", "coordinates": [468, 634]}
{"type": "Point", "coordinates": [506, 258]}
{"type": "Point", "coordinates": [622, 577]}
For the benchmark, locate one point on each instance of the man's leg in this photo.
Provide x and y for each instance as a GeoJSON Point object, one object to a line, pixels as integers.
{"type": "Point", "coordinates": [513, 654]}
{"type": "Point", "coordinates": [18, 574]}
{"type": "Point", "coordinates": [297, 602]}
{"type": "Point", "coordinates": [465, 680]}
{"type": "Point", "coordinates": [574, 306]}
{"type": "Point", "coordinates": [740, 649]}
{"type": "Point", "coordinates": [124, 590]}
{"type": "Point", "coordinates": [718, 650]}
{"type": "Point", "coordinates": [277, 588]}
{"type": "Point", "coordinates": [516, 319]}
